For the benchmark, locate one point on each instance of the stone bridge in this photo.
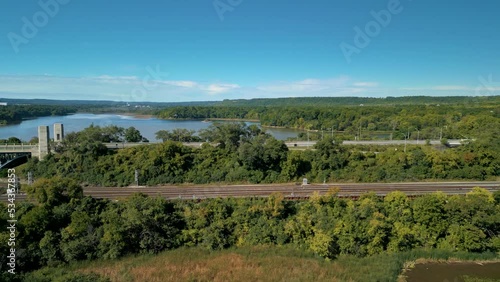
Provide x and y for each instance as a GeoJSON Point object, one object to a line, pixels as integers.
{"type": "Point", "coordinates": [14, 155]}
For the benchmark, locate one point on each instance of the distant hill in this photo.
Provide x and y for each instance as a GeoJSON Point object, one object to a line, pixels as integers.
{"type": "Point", "coordinates": [292, 101]}
{"type": "Point", "coordinates": [99, 103]}
{"type": "Point", "coordinates": [355, 101]}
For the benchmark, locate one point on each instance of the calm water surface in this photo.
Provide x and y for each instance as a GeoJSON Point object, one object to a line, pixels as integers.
{"type": "Point", "coordinates": [453, 272]}
{"type": "Point", "coordinates": [148, 126]}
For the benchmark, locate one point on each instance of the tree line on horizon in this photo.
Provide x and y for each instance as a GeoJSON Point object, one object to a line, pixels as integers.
{"type": "Point", "coordinates": [16, 113]}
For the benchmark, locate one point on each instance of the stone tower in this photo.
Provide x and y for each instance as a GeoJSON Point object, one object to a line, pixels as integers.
{"type": "Point", "coordinates": [58, 132]}
{"type": "Point", "coordinates": [43, 141]}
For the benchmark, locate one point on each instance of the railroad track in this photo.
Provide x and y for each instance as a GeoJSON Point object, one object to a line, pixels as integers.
{"type": "Point", "coordinates": [288, 190]}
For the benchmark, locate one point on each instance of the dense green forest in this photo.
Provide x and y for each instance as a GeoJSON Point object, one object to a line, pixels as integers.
{"type": "Point", "coordinates": [62, 226]}
{"type": "Point", "coordinates": [17, 113]}
{"type": "Point", "coordinates": [245, 154]}
{"type": "Point", "coordinates": [431, 121]}
{"type": "Point", "coordinates": [355, 101]}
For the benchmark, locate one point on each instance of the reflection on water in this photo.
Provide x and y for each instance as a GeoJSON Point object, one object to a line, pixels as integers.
{"type": "Point", "coordinates": [148, 126]}
{"type": "Point", "coordinates": [453, 272]}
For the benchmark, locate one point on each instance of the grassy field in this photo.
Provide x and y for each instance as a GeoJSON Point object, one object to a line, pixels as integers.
{"type": "Point", "coordinates": [264, 263]}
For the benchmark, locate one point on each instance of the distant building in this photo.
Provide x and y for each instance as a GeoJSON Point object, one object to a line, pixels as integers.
{"type": "Point", "coordinates": [3, 103]}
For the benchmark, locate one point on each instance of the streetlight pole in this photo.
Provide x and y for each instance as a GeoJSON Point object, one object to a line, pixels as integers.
{"type": "Point", "coordinates": [407, 137]}
{"type": "Point", "coordinates": [308, 138]}
{"type": "Point", "coordinates": [405, 144]}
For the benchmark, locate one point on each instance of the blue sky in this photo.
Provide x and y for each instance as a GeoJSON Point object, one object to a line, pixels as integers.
{"type": "Point", "coordinates": [196, 50]}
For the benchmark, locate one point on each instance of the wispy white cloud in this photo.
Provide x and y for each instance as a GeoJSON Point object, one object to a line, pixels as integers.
{"type": "Point", "coordinates": [337, 86]}
{"type": "Point", "coordinates": [306, 86]}
{"type": "Point", "coordinates": [132, 88]}
{"type": "Point", "coordinates": [365, 84]}
{"type": "Point", "coordinates": [106, 87]}
{"type": "Point", "coordinates": [181, 83]}
{"type": "Point", "coordinates": [451, 88]}
{"type": "Point", "coordinates": [214, 89]}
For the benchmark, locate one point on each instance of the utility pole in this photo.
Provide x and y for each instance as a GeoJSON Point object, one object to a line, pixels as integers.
{"type": "Point", "coordinates": [17, 184]}
{"type": "Point", "coordinates": [308, 138]}
{"type": "Point", "coordinates": [136, 177]}
{"type": "Point", "coordinates": [405, 143]}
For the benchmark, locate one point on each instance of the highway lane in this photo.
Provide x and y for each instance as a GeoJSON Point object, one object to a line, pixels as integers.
{"type": "Point", "coordinates": [288, 190]}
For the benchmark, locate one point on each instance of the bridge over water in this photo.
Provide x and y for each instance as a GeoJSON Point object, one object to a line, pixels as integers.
{"type": "Point", "coordinates": [14, 155]}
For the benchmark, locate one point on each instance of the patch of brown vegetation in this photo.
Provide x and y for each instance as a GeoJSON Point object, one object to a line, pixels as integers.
{"type": "Point", "coordinates": [219, 267]}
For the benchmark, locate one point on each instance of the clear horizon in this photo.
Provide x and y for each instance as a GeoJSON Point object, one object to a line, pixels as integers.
{"type": "Point", "coordinates": [182, 51]}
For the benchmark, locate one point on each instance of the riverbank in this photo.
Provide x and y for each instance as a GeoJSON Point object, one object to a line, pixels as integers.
{"type": "Point", "coordinates": [231, 119]}
{"type": "Point", "coordinates": [209, 119]}
{"type": "Point", "coordinates": [451, 269]}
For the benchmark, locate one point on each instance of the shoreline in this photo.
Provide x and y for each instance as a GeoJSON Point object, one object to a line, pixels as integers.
{"type": "Point", "coordinates": [208, 119]}
{"type": "Point", "coordinates": [409, 265]}
{"type": "Point", "coordinates": [231, 119]}
{"type": "Point", "coordinates": [287, 128]}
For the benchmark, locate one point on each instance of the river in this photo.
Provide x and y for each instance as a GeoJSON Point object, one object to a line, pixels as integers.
{"type": "Point", "coordinates": [148, 126]}
{"type": "Point", "coordinates": [454, 272]}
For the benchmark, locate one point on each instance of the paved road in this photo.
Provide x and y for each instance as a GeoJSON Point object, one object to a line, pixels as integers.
{"type": "Point", "coordinates": [288, 190]}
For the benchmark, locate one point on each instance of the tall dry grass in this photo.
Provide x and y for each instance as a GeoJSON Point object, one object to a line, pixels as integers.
{"type": "Point", "coordinates": [196, 264]}
{"type": "Point", "coordinates": [261, 263]}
